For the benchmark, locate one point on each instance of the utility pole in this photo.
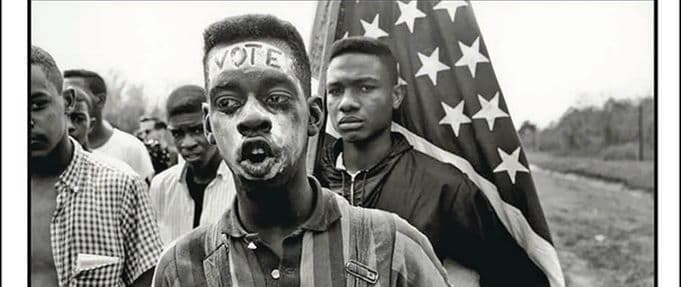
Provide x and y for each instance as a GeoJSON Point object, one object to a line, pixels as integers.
{"type": "Point", "coordinates": [640, 131]}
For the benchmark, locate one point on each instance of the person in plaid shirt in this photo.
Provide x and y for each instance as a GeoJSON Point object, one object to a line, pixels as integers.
{"type": "Point", "coordinates": [283, 229]}
{"type": "Point", "coordinates": [91, 224]}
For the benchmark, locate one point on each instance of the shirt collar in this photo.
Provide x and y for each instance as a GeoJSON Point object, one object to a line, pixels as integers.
{"type": "Point", "coordinates": [70, 176]}
{"type": "Point", "coordinates": [223, 171]}
{"type": "Point", "coordinates": [324, 213]}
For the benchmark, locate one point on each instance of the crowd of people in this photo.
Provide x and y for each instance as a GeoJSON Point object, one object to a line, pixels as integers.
{"type": "Point", "coordinates": [217, 194]}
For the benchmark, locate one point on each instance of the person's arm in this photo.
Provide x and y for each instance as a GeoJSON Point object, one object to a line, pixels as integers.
{"type": "Point", "coordinates": [145, 279]}
{"type": "Point", "coordinates": [142, 242]}
{"type": "Point", "coordinates": [414, 261]}
{"type": "Point", "coordinates": [475, 237]}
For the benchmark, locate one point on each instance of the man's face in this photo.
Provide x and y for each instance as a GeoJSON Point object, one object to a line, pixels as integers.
{"type": "Point", "coordinates": [257, 111]}
{"type": "Point", "coordinates": [190, 139]}
{"type": "Point", "coordinates": [79, 121]}
{"type": "Point", "coordinates": [148, 131]}
{"type": "Point", "coordinates": [360, 96]}
{"type": "Point", "coordinates": [48, 124]}
{"type": "Point", "coordinates": [83, 84]}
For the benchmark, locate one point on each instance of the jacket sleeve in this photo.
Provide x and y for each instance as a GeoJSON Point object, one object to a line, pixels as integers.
{"type": "Point", "coordinates": [414, 261]}
{"type": "Point", "coordinates": [165, 274]}
{"type": "Point", "coordinates": [476, 238]}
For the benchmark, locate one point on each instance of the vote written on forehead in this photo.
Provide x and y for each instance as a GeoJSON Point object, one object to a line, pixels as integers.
{"type": "Point", "coordinates": [249, 54]}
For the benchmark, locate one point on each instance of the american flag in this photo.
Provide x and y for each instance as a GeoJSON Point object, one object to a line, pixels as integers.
{"type": "Point", "coordinates": [454, 109]}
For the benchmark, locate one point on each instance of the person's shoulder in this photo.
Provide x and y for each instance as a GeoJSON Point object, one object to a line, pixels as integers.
{"type": "Point", "coordinates": [168, 176]}
{"type": "Point", "coordinates": [114, 162]}
{"type": "Point", "coordinates": [101, 168]}
{"type": "Point", "coordinates": [104, 177]}
{"type": "Point", "coordinates": [433, 167]}
{"type": "Point", "coordinates": [445, 175]}
{"type": "Point", "coordinates": [122, 137]}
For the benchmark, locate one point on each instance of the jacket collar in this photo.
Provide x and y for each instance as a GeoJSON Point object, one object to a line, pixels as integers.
{"type": "Point", "coordinates": [333, 156]}
{"type": "Point", "coordinates": [324, 213]}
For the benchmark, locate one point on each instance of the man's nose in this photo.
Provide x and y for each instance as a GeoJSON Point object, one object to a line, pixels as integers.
{"type": "Point", "coordinates": [188, 142]}
{"type": "Point", "coordinates": [254, 124]}
{"type": "Point", "coordinates": [70, 127]}
{"type": "Point", "coordinates": [348, 102]}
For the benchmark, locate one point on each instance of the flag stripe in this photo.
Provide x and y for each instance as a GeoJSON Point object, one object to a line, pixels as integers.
{"type": "Point", "coordinates": [540, 251]}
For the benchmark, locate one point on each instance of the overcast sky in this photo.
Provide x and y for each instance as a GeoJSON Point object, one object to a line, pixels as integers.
{"type": "Point", "coordinates": [547, 55]}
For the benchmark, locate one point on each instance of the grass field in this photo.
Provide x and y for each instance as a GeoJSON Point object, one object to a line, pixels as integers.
{"type": "Point", "coordinates": [604, 234]}
{"type": "Point", "coordinates": [634, 174]}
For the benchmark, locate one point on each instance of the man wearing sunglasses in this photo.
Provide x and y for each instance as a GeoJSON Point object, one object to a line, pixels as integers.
{"type": "Point", "coordinates": [195, 192]}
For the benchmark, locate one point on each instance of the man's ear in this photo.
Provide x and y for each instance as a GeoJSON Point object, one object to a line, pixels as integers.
{"type": "Point", "coordinates": [314, 124]}
{"type": "Point", "coordinates": [207, 129]}
{"type": "Point", "coordinates": [399, 91]}
{"type": "Point", "coordinates": [69, 100]}
{"type": "Point", "coordinates": [101, 100]}
{"type": "Point", "coordinates": [93, 121]}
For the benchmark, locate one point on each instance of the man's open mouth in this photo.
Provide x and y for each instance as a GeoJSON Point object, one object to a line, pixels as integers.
{"type": "Point", "coordinates": [256, 151]}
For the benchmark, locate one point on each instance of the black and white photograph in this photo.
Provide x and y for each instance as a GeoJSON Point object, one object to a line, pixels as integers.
{"type": "Point", "coordinates": [341, 143]}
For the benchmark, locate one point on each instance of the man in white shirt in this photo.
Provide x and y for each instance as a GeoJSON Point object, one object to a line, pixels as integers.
{"type": "Point", "coordinates": [199, 190]}
{"type": "Point", "coordinates": [79, 125]}
{"type": "Point", "coordinates": [104, 138]}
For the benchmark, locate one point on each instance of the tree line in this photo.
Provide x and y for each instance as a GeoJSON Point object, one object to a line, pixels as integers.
{"type": "Point", "coordinates": [620, 129]}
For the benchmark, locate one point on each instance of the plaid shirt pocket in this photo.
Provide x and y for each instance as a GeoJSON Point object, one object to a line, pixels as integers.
{"type": "Point", "coordinates": [108, 274]}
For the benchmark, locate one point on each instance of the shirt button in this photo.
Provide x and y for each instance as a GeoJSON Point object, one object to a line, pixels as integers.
{"type": "Point", "coordinates": [252, 246]}
{"type": "Point", "coordinates": [275, 274]}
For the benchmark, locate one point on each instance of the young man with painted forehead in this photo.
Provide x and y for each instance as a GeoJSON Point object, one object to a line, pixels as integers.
{"type": "Point", "coordinates": [375, 168]}
{"type": "Point", "coordinates": [283, 228]}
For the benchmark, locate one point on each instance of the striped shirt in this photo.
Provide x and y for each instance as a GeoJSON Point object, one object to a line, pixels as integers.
{"type": "Point", "coordinates": [103, 231]}
{"type": "Point", "coordinates": [174, 205]}
{"type": "Point", "coordinates": [338, 245]}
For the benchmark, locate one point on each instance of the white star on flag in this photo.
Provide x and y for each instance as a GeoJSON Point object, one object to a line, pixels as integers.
{"type": "Point", "coordinates": [454, 117]}
{"type": "Point", "coordinates": [347, 33]}
{"type": "Point", "coordinates": [450, 6]}
{"type": "Point", "coordinates": [372, 29]}
{"type": "Point", "coordinates": [510, 164]}
{"type": "Point", "coordinates": [431, 65]}
{"type": "Point", "coordinates": [490, 111]}
{"type": "Point", "coordinates": [408, 13]}
{"type": "Point", "coordinates": [471, 56]}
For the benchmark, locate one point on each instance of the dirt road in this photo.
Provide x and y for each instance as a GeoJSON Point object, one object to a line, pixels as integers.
{"type": "Point", "coordinates": [603, 232]}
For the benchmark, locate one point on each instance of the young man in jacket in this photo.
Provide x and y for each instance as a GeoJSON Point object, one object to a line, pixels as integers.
{"type": "Point", "coordinates": [283, 228]}
{"type": "Point", "coordinates": [376, 168]}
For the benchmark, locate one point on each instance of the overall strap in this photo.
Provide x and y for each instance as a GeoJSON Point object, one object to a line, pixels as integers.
{"type": "Point", "coordinates": [216, 265]}
{"type": "Point", "coordinates": [358, 272]}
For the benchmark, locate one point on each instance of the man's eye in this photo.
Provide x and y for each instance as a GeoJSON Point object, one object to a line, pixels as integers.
{"type": "Point", "coordinates": [39, 105]}
{"type": "Point", "coordinates": [176, 134]}
{"type": "Point", "coordinates": [335, 92]}
{"type": "Point", "coordinates": [277, 98]}
{"type": "Point", "coordinates": [198, 130]}
{"type": "Point", "coordinates": [366, 88]}
{"type": "Point", "coordinates": [227, 103]}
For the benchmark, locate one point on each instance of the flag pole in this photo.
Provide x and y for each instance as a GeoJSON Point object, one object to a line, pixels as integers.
{"type": "Point", "coordinates": [323, 35]}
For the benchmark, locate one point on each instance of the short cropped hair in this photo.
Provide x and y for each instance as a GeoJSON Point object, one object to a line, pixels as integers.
{"type": "Point", "coordinates": [185, 99]}
{"type": "Point", "coordinates": [253, 27]}
{"type": "Point", "coordinates": [369, 46]}
{"type": "Point", "coordinates": [44, 60]}
{"type": "Point", "coordinates": [94, 81]}
{"type": "Point", "coordinates": [158, 123]}
{"type": "Point", "coordinates": [82, 96]}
